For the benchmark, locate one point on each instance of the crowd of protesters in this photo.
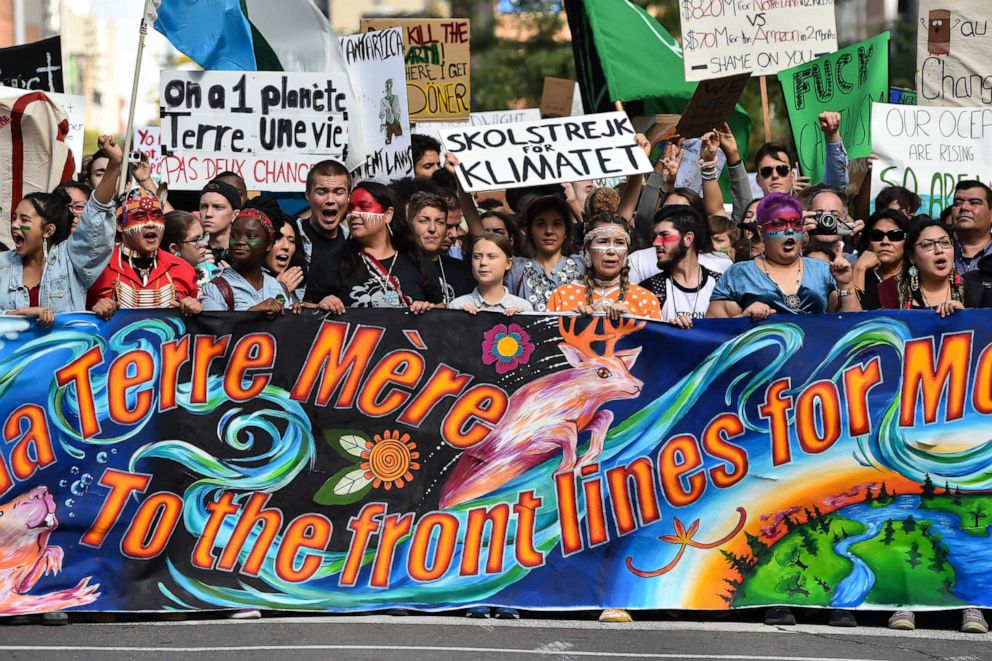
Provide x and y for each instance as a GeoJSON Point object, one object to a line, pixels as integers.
{"type": "Point", "coordinates": [647, 249]}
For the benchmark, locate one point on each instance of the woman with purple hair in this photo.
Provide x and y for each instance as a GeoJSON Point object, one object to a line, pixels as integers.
{"type": "Point", "coordinates": [782, 280]}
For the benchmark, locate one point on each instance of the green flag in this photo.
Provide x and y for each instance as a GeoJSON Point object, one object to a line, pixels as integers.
{"type": "Point", "coordinates": [623, 54]}
{"type": "Point", "coordinates": [848, 82]}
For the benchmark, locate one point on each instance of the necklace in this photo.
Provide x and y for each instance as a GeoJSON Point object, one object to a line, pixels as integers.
{"type": "Point", "coordinates": [447, 293]}
{"type": "Point", "coordinates": [691, 312]}
{"type": "Point", "coordinates": [792, 301]}
{"type": "Point", "coordinates": [923, 294]}
{"type": "Point", "coordinates": [391, 293]}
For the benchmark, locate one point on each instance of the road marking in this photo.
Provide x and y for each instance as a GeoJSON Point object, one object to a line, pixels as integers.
{"type": "Point", "coordinates": [676, 625]}
{"type": "Point", "coordinates": [418, 648]}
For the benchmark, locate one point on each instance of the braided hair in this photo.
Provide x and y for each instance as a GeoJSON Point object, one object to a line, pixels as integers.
{"type": "Point", "coordinates": [588, 278]}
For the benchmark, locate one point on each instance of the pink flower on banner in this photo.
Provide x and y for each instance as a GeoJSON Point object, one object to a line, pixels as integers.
{"type": "Point", "coordinates": [507, 347]}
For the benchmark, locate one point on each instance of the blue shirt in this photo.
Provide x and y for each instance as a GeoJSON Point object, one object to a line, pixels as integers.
{"type": "Point", "coordinates": [245, 295]}
{"type": "Point", "coordinates": [745, 283]}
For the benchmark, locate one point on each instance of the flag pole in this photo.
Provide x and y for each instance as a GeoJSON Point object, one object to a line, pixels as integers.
{"type": "Point", "coordinates": [764, 108]}
{"type": "Point", "coordinates": [148, 13]}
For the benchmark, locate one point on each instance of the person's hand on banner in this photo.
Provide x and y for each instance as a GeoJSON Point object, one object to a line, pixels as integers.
{"type": "Point", "coordinates": [104, 308]}
{"type": "Point", "coordinates": [830, 125]}
{"type": "Point", "coordinates": [512, 311]}
{"type": "Point", "coordinates": [947, 308]}
{"type": "Point", "coordinates": [332, 304]}
{"type": "Point", "coordinates": [728, 143]}
{"type": "Point", "coordinates": [190, 307]}
{"type": "Point", "coordinates": [420, 307]}
{"type": "Point", "coordinates": [683, 321]}
{"type": "Point", "coordinates": [758, 311]}
{"type": "Point", "coordinates": [271, 307]}
{"type": "Point", "coordinates": [43, 316]}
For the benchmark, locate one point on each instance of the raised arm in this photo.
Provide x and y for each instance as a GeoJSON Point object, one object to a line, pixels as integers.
{"type": "Point", "coordinates": [712, 195]}
{"type": "Point", "coordinates": [469, 211]}
{"type": "Point", "coordinates": [632, 189]}
{"type": "Point", "coordinates": [89, 247]}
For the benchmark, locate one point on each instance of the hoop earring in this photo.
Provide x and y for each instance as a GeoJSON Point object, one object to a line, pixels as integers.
{"type": "Point", "coordinates": [914, 278]}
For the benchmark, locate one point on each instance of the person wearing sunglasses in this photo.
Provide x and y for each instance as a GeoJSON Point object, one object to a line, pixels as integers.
{"type": "Point", "coordinates": [929, 279]}
{"type": "Point", "coordinates": [882, 247]}
{"type": "Point", "coordinates": [773, 163]}
{"type": "Point", "coordinates": [781, 280]}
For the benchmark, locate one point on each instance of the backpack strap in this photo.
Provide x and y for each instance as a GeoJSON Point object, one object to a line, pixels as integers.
{"type": "Point", "coordinates": [224, 287]}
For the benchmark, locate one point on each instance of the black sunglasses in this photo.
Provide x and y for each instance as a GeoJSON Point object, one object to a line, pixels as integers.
{"type": "Point", "coordinates": [783, 171]}
{"type": "Point", "coordinates": [891, 235]}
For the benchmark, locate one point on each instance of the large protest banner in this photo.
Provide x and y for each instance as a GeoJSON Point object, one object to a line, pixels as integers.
{"type": "Point", "coordinates": [929, 149]}
{"type": "Point", "coordinates": [266, 126]}
{"type": "Point", "coordinates": [36, 66]}
{"type": "Point", "coordinates": [954, 53]}
{"type": "Point", "coordinates": [547, 151]}
{"type": "Point", "coordinates": [847, 82]}
{"type": "Point", "coordinates": [758, 36]}
{"type": "Point", "coordinates": [375, 65]}
{"type": "Point", "coordinates": [438, 65]}
{"type": "Point", "coordinates": [383, 459]}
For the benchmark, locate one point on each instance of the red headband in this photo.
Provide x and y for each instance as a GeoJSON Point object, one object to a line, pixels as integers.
{"type": "Point", "coordinates": [262, 219]}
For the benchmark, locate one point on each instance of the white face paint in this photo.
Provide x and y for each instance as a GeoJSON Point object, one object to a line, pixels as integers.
{"type": "Point", "coordinates": [606, 239]}
{"type": "Point", "coordinates": [369, 218]}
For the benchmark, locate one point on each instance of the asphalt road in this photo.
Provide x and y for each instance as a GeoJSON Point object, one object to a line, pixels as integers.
{"type": "Point", "coordinates": [429, 637]}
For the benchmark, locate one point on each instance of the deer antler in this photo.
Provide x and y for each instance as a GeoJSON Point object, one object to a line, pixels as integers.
{"type": "Point", "coordinates": [611, 333]}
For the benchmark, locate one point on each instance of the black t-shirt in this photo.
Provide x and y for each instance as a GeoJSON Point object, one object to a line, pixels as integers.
{"type": "Point", "coordinates": [322, 248]}
{"type": "Point", "coordinates": [362, 289]}
{"type": "Point", "coordinates": [456, 279]}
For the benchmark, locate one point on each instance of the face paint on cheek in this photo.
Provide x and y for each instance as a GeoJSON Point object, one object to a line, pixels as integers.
{"type": "Point", "coordinates": [782, 235]}
{"type": "Point", "coordinates": [24, 228]}
{"type": "Point", "coordinates": [605, 249]}
{"type": "Point", "coordinates": [255, 243]}
{"type": "Point", "coordinates": [370, 218]}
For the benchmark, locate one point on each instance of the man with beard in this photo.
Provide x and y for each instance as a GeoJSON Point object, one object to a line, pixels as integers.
{"type": "Point", "coordinates": [971, 212]}
{"type": "Point", "coordinates": [328, 188]}
{"type": "Point", "coordinates": [684, 285]}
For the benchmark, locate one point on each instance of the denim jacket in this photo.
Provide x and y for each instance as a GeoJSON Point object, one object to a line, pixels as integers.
{"type": "Point", "coordinates": [72, 266]}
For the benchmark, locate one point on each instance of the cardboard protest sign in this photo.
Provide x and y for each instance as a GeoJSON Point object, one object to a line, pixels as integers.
{"type": "Point", "coordinates": [488, 118]}
{"type": "Point", "coordinates": [75, 110]}
{"type": "Point", "coordinates": [147, 140]}
{"type": "Point", "coordinates": [954, 53]}
{"type": "Point", "coordinates": [848, 82]}
{"type": "Point", "coordinates": [36, 66]}
{"type": "Point", "coordinates": [437, 65]}
{"type": "Point", "coordinates": [375, 64]}
{"type": "Point", "coordinates": [248, 118]}
{"type": "Point", "coordinates": [929, 149]}
{"type": "Point", "coordinates": [711, 105]}
{"type": "Point", "coordinates": [756, 36]}
{"type": "Point", "coordinates": [547, 151]}
{"type": "Point", "coordinates": [557, 97]}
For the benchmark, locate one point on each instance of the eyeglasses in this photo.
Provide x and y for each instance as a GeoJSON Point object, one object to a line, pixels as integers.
{"type": "Point", "coordinates": [782, 224]}
{"type": "Point", "coordinates": [892, 235]}
{"type": "Point", "coordinates": [77, 207]}
{"type": "Point", "coordinates": [926, 246]}
{"type": "Point", "coordinates": [199, 241]}
{"type": "Point", "coordinates": [782, 170]}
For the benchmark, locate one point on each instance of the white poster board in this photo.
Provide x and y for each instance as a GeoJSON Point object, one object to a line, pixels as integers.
{"type": "Point", "coordinates": [147, 140]}
{"type": "Point", "coordinates": [378, 74]}
{"type": "Point", "coordinates": [954, 53]}
{"type": "Point", "coordinates": [758, 36]}
{"type": "Point", "coordinates": [546, 151]}
{"type": "Point", "coordinates": [257, 116]}
{"type": "Point", "coordinates": [929, 149]}
{"type": "Point", "coordinates": [489, 118]}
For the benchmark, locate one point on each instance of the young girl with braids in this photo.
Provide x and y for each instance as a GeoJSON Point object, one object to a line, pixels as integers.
{"type": "Point", "coordinates": [605, 287]}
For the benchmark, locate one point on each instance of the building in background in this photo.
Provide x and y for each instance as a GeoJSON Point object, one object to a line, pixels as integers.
{"type": "Point", "coordinates": [24, 21]}
{"type": "Point", "coordinates": [859, 19]}
{"type": "Point", "coordinates": [92, 69]}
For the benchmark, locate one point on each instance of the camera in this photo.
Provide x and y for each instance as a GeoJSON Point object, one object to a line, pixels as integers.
{"type": "Point", "coordinates": [828, 223]}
